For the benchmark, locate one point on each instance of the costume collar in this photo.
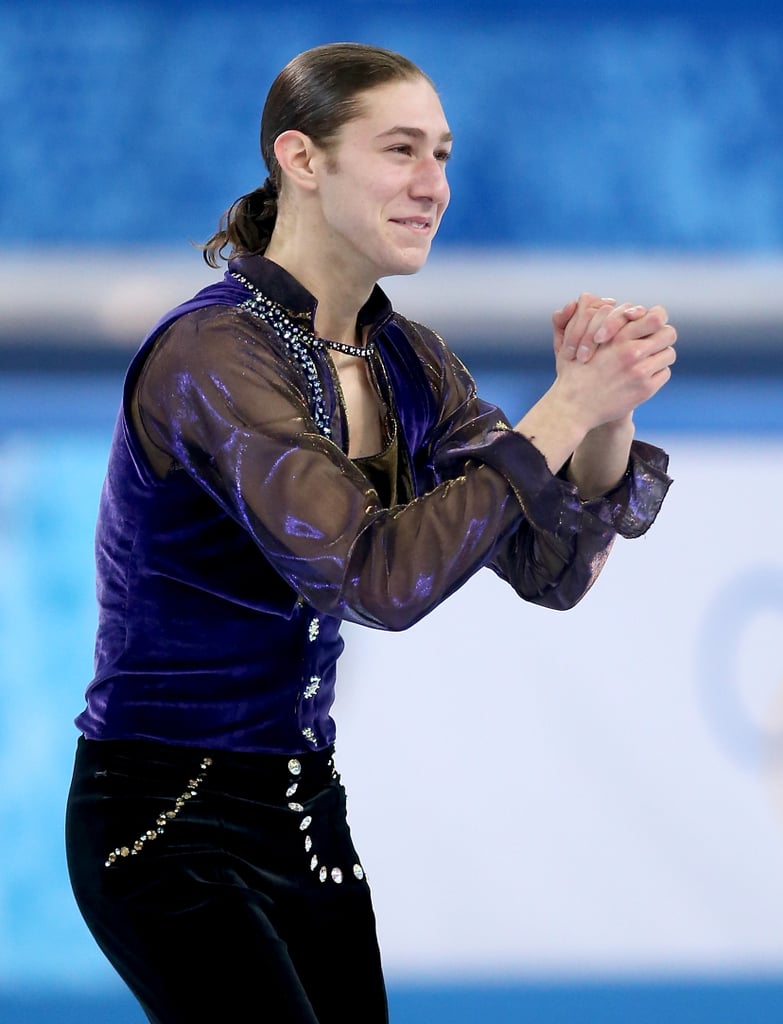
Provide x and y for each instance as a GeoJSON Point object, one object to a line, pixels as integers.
{"type": "Point", "coordinates": [276, 283]}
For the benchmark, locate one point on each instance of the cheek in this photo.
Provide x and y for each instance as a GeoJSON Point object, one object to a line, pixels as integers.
{"type": "Point", "coordinates": [367, 199]}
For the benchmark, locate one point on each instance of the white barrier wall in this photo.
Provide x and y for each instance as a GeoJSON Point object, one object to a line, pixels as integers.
{"type": "Point", "coordinates": [595, 791]}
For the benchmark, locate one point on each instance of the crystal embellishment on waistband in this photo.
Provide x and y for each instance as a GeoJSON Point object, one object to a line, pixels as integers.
{"type": "Point", "coordinates": [163, 820]}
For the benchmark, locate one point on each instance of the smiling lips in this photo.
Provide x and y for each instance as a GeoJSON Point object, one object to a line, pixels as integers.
{"type": "Point", "coordinates": [420, 224]}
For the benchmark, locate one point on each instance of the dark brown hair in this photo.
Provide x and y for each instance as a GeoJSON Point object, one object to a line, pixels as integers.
{"type": "Point", "coordinates": [316, 93]}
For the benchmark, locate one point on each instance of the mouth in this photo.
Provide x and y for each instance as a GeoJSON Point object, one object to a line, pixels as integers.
{"type": "Point", "coordinates": [420, 225]}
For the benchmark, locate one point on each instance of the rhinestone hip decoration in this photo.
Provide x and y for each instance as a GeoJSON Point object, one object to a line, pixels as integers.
{"type": "Point", "coordinates": [163, 820]}
{"type": "Point", "coordinates": [324, 873]}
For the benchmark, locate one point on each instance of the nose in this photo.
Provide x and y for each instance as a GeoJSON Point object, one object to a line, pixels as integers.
{"type": "Point", "coordinates": [429, 181]}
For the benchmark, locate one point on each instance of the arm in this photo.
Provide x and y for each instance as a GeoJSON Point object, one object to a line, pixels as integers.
{"type": "Point", "coordinates": [646, 341]}
{"type": "Point", "coordinates": [218, 399]}
{"type": "Point", "coordinates": [586, 418]}
{"type": "Point", "coordinates": [562, 541]}
{"type": "Point", "coordinates": [584, 424]}
{"type": "Point", "coordinates": [583, 429]}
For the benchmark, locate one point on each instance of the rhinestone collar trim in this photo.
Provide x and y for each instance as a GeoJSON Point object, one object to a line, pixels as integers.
{"type": "Point", "coordinates": [280, 320]}
{"type": "Point", "coordinates": [299, 344]}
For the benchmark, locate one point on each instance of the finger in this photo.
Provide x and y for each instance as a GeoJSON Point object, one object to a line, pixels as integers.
{"type": "Point", "coordinates": [586, 307]}
{"type": "Point", "coordinates": [560, 319]}
{"type": "Point", "coordinates": [654, 371]}
{"type": "Point", "coordinates": [662, 357]}
{"type": "Point", "coordinates": [662, 373]}
{"type": "Point", "coordinates": [662, 342]}
{"type": "Point", "coordinates": [648, 327]}
{"type": "Point", "coordinates": [616, 320]}
{"type": "Point", "coordinates": [644, 377]}
{"type": "Point", "coordinates": [604, 326]}
{"type": "Point", "coordinates": [652, 321]}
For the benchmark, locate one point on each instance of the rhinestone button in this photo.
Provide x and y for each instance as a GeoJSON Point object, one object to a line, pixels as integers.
{"type": "Point", "coordinates": [337, 875]}
{"type": "Point", "coordinates": [312, 687]}
{"type": "Point", "coordinates": [294, 766]}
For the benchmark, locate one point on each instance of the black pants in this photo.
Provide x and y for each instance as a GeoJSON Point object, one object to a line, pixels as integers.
{"type": "Point", "coordinates": [224, 887]}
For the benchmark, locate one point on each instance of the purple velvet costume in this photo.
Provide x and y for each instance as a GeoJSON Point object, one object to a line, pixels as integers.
{"type": "Point", "coordinates": [235, 534]}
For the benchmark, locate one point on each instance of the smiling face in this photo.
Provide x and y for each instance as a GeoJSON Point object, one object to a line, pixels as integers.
{"type": "Point", "coordinates": [383, 190]}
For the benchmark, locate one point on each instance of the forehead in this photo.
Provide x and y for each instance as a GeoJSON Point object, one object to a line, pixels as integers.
{"type": "Point", "coordinates": [409, 103]}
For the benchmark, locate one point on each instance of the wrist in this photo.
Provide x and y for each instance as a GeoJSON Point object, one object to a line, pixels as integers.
{"type": "Point", "coordinates": [554, 425]}
{"type": "Point", "coordinates": [619, 429]}
{"type": "Point", "coordinates": [600, 461]}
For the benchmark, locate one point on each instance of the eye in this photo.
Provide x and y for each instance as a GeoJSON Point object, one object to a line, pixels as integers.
{"type": "Point", "coordinates": [443, 155]}
{"type": "Point", "coordinates": [405, 148]}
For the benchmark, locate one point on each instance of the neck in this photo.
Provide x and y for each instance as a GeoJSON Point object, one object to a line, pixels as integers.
{"type": "Point", "coordinates": [338, 324]}
{"type": "Point", "coordinates": [339, 290]}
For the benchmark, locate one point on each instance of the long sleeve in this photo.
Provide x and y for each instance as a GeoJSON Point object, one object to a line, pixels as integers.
{"type": "Point", "coordinates": [560, 543]}
{"type": "Point", "coordinates": [218, 397]}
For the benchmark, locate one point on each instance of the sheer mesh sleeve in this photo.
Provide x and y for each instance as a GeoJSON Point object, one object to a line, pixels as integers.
{"type": "Point", "coordinates": [219, 398]}
{"type": "Point", "coordinates": [561, 543]}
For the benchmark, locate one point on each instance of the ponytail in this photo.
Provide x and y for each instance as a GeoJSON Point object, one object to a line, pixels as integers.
{"type": "Point", "coordinates": [245, 228]}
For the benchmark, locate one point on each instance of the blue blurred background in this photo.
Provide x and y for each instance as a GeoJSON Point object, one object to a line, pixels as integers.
{"type": "Point", "coordinates": [590, 139]}
{"type": "Point", "coordinates": [610, 124]}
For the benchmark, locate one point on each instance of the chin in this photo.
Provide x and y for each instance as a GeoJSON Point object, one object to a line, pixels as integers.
{"type": "Point", "coordinates": [408, 271]}
{"type": "Point", "coordinates": [409, 264]}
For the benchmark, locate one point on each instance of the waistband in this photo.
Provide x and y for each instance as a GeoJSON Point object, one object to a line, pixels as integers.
{"type": "Point", "coordinates": [243, 773]}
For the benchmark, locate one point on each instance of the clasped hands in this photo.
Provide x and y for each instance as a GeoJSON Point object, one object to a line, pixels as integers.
{"type": "Point", "coordinates": [612, 356]}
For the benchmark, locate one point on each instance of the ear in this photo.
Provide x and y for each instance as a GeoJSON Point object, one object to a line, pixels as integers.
{"type": "Point", "coordinates": [295, 151]}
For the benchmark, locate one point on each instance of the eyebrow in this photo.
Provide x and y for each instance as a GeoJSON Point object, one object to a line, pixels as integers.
{"type": "Point", "coordinates": [414, 133]}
